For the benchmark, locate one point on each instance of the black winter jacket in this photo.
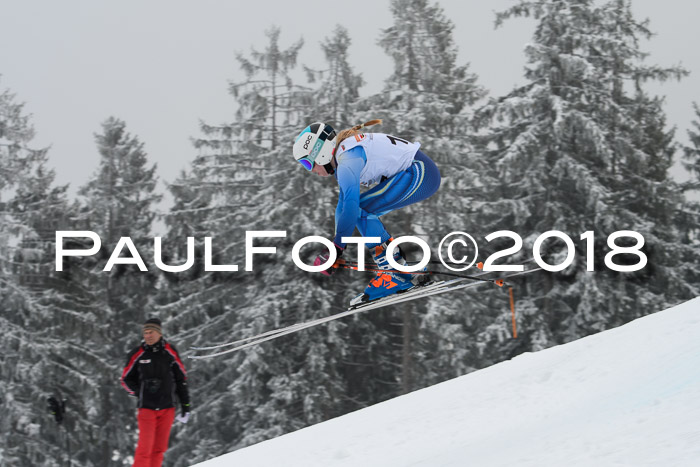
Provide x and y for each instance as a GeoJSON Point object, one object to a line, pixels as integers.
{"type": "Point", "coordinates": [155, 374]}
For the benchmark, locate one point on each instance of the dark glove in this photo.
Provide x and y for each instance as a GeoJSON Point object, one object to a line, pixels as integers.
{"type": "Point", "coordinates": [323, 258]}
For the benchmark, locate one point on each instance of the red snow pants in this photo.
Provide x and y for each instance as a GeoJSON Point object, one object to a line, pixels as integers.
{"type": "Point", "coordinates": [154, 432]}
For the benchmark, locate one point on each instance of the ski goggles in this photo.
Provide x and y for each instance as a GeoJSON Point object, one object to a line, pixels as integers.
{"type": "Point", "coordinates": [306, 162]}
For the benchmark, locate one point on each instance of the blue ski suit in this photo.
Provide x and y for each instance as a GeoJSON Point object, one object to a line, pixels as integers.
{"type": "Point", "coordinates": [417, 182]}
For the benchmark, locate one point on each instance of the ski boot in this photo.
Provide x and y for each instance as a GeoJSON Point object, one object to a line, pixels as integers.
{"type": "Point", "coordinates": [385, 283]}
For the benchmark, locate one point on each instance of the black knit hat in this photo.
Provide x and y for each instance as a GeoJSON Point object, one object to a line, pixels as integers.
{"type": "Point", "coordinates": [154, 324]}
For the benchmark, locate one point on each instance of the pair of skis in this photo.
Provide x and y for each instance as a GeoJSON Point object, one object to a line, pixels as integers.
{"type": "Point", "coordinates": [419, 291]}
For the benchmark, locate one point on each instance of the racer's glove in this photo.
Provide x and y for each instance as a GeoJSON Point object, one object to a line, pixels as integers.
{"type": "Point", "coordinates": [323, 258]}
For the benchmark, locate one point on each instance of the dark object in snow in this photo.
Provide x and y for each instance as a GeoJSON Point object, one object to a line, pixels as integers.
{"type": "Point", "coordinates": [57, 408]}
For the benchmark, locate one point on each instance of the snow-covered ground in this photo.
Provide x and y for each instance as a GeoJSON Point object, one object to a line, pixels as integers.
{"type": "Point", "coordinates": [629, 396]}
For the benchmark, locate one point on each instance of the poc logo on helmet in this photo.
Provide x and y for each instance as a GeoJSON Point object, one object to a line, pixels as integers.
{"type": "Point", "coordinates": [308, 140]}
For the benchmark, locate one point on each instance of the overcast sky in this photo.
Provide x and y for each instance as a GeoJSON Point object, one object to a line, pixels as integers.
{"type": "Point", "coordinates": [163, 65]}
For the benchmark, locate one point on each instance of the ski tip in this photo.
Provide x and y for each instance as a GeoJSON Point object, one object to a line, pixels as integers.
{"type": "Point", "coordinates": [480, 265]}
{"type": "Point", "coordinates": [499, 282]}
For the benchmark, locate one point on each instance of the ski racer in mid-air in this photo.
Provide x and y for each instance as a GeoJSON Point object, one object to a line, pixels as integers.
{"type": "Point", "coordinates": [401, 174]}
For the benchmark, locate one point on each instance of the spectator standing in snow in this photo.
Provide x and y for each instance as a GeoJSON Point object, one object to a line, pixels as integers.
{"type": "Point", "coordinates": [155, 374]}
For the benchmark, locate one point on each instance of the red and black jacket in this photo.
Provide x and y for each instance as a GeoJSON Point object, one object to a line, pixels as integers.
{"type": "Point", "coordinates": [155, 374]}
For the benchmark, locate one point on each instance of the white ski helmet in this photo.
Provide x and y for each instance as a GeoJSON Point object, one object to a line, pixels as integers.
{"type": "Point", "coordinates": [316, 144]}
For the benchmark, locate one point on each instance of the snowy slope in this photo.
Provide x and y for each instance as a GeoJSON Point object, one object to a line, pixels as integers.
{"type": "Point", "coordinates": [628, 396]}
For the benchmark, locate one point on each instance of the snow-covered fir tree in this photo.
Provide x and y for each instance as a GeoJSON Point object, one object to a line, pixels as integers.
{"type": "Point", "coordinates": [582, 147]}
{"type": "Point", "coordinates": [335, 89]}
{"type": "Point", "coordinates": [49, 324]}
{"type": "Point", "coordinates": [428, 98]}
{"type": "Point", "coordinates": [691, 157]}
{"type": "Point", "coordinates": [369, 365]}
{"type": "Point", "coordinates": [117, 202]}
{"type": "Point", "coordinates": [690, 216]}
{"type": "Point", "coordinates": [245, 179]}
{"type": "Point", "coordinates": [24, 417]}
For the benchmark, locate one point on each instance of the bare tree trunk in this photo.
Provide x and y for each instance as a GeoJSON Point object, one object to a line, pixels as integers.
{"type": "Point", "coordinates": [407, 380]}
